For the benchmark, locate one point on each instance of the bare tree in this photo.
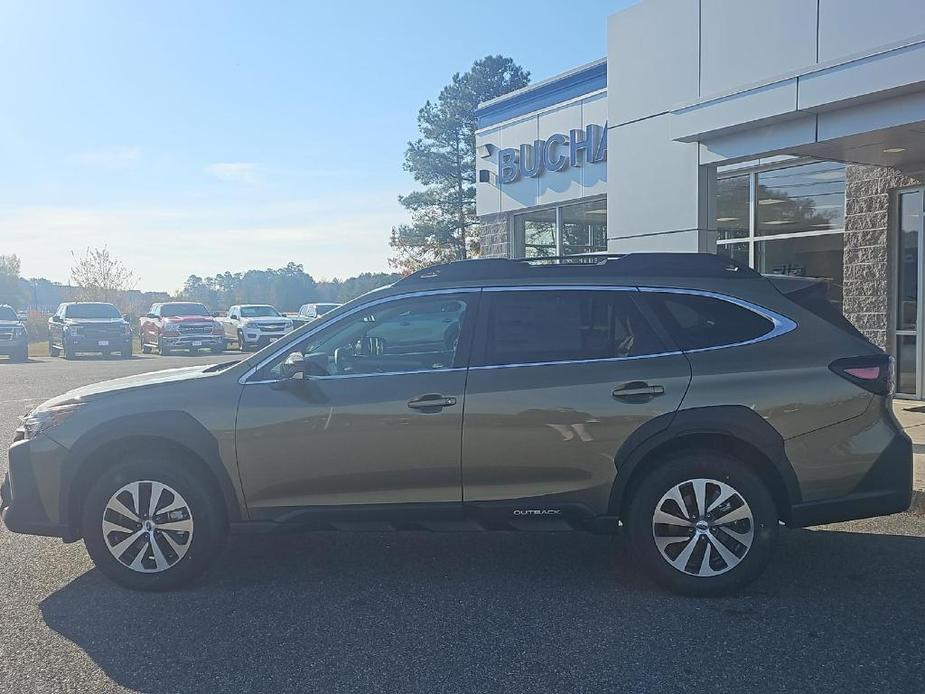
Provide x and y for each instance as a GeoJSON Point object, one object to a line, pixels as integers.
{"type": "Point", "coordinates": [100, 277]}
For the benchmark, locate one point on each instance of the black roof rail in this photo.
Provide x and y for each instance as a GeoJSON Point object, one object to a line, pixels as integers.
{"type": "Point", "coordinates": [700, 265]}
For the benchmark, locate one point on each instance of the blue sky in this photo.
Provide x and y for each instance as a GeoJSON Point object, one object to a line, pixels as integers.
{"type": "Point", "coordinates": [209, 136]}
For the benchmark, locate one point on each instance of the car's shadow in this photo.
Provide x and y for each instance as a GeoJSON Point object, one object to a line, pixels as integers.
{"type": "Point", "coordinates": [503, 612]}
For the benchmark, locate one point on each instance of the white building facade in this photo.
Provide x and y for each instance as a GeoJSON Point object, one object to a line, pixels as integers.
{"type": "Point", "coordinates": [790, 135]}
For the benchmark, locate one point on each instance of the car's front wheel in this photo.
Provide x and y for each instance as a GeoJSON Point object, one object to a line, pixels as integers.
{"type": "Point", "coordinates": [151, 523]}
{"type": "Point", "coordinates": [702, 523]}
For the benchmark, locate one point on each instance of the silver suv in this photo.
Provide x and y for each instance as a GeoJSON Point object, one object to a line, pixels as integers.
{"type": "Point", "coordinates": [683, 398]}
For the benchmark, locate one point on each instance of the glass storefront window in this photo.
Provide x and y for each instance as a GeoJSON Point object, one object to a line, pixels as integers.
{"type": "Point", "coordinates": [809, 197]}
{"type": "Point", "coordinates": [538, 231]}
{"type": "Point", "coordinates": [736, 251]}
{"type": "Point", "coordinates": [805, 256]}
{"type": "Point", "coordinates": [794, 226]}
{"type": "Point", "coordinates": [569, 230]}
{"type": "Point", "coordinates": [732, 207]}
{"type": "Point", "coordinates": [910, 219]}
{"type": "Point", "coordinates": [584, 227]}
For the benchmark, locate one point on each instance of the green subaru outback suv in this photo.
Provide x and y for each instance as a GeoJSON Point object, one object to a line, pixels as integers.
{"type": "Point", "coordinates": [684, 399]}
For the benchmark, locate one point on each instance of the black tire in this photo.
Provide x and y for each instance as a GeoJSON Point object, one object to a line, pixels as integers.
{"type": "Point", "coordinates": [126, 353]}
{"type": "Point", "coordinates": [22, 355]}
{"type": "Point", "coordinates": [162, 349]}
{"type": "Point", "coordinates": [242, 346]}
{"type": "Point", "coordinates": [145, 348]}
{"type": "Point", "coordinates": [206, 540]}
{"type": "Point", "coordinates": [52, 350]}
{"type": "Point", "coordinates": [673, 472]}
{"type": "Point", "coordinates": [68, 352]}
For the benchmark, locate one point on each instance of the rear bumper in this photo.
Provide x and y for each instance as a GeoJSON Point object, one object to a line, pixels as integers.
{"type": "Point", "coordinates": [885, 489]}
{"type": "Point", "coordinates": [22, 507]}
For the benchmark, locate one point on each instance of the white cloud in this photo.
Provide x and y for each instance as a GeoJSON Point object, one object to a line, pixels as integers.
{"type": "Point", "coordinates": [114, 158]}
{"type": "Point", "coordinates": [235, 172]}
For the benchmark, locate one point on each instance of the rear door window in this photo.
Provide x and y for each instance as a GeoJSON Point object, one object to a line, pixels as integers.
{"type": "Point", "coordinates": [530, 327]}
{"type": "Point", "coordinates": [700, 322]}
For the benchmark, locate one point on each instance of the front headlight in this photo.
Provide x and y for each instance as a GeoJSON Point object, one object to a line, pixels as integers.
{"type": "Point", "coordinates": [19, 331]}
{"type": "Point", "coordinates": [126, 329]}
{"type": "Point", "coordinates": [41, 420]}
{"type": "Point", "coordinates": [288, 325]}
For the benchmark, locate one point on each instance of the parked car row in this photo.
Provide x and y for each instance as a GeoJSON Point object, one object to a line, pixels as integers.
{"type": "Point", "coordinates": [99, 328]}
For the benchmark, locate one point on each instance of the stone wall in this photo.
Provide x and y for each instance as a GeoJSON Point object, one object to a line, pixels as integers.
{"type": "Point", "coordinates": [870, 253]}
{"type": "Point", "coordinates": [494, 236]}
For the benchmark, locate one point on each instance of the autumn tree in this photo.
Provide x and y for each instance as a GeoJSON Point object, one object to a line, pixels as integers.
{"type": "Point", "coordinates": [442, 160]}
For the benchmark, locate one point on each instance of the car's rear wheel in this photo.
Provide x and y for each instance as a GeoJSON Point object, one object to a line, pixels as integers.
{"type": "Point", "coordinates": [152, 524]}
{"type": "Point", "coordinates": [702, 523]}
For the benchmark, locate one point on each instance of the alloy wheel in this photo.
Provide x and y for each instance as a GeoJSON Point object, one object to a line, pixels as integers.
{"type": "Point", "coordinates": [147, 526]}
{"type": "Point", "coordinates": [703, 527]}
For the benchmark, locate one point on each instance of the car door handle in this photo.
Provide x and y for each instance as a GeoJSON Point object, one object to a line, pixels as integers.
{"type": "Point", "coordinates": [637, 389]}
{"type": "Point", "coordinates": [431, 401]}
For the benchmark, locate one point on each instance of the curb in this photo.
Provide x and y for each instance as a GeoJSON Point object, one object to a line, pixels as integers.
{"type": "Point", "coordinates": [918, 502]}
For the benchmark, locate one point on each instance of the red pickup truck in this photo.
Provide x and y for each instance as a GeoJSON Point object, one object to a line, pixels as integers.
{"type": "Point", "coordinates": [169, 327]}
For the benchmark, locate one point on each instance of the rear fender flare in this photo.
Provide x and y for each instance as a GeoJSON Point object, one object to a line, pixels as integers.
{"type": "Point", "coordinates": [733, 421]}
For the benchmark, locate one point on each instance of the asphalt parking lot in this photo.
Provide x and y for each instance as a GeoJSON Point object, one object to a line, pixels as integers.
{"type": "Point", "coordinates": [838, 611]}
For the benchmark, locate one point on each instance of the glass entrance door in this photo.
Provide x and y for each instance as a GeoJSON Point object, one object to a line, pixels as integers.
{"type": "Point", "coordinates": [910, 303]}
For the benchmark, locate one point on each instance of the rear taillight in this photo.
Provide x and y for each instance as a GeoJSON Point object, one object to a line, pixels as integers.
{"type": "Point", "coordinates": [872, 372]}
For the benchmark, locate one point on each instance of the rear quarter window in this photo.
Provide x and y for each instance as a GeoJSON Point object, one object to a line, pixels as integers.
{"type": "Point", "coordinates": [700, 322]}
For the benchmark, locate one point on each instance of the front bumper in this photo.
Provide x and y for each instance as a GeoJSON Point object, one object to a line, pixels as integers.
{"type": "Point", "coordinates": [194, 341]}
{"type": "Point", "coordinates": [30, 493]}
{"type": "Point", "coordinates": [9, 347]}
{"type": "Point", "coordinates": [259, 337]}
{"type": "Point", "coordinates": [97, 343]}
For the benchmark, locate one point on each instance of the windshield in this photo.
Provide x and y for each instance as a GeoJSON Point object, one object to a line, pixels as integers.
{"type": "Point", "coordinates": [170, 310]}
{"type": "Point", "coordinates": [259, 312]}
{"type": "Point", "coordinates": [6, 313]}
{"type": "Point", "coordinates": [92, 311]}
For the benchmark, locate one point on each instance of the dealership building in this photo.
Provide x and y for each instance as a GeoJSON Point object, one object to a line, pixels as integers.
{"type": "Point", "coordinates": [788, 134]}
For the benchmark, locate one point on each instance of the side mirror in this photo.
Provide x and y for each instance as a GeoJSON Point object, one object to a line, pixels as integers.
{"type": "Point", "coordinates": [56, 319]}
{"type": "Point", "coordinates": [150, 315]}
{"type": "Point", "coordinates": [294, 366]}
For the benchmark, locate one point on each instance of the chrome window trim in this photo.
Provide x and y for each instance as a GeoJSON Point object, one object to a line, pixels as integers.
{"type": "Point", "coordinates": [565, 362]}
{"type": "Point", "coordinates": [781, 325]}
{"type": "Point", "coordinates": [362, 307]}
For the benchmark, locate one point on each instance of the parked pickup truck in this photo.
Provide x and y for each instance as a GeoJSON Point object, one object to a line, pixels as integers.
{"type": "Point", "coordinates": [252, 326]}
{"type": "Point", "coordinates": [88, 327]}
{"type": "Point", "coordinates": [173, 326]}
{"type": "Point", "coordinates": [14, 341]}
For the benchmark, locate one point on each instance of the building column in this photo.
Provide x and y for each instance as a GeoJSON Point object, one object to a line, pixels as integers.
{"type": "Point", "coordinates": [870, 249]}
